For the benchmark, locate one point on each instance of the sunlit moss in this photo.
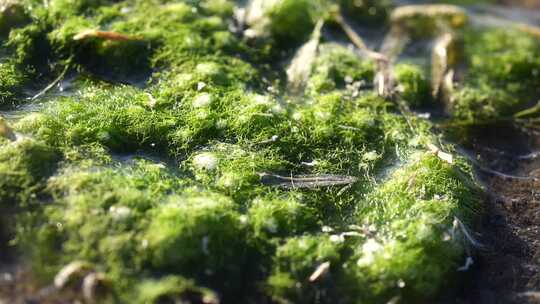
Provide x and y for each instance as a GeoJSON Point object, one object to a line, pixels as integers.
{"type": "Point", "coordinates": [337, 67]}
{"type": "Point", "coordinates": [287, 22]}
{"type": "Point", "coordinates": [413, 214]}
{"type": "Point", "coordinates": [503, 75]}
{"type": "Point", "coordinates": [281, 216]}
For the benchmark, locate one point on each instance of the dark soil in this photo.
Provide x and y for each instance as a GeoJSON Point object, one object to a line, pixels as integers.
{"type": "Point", "coordinates": [507, 270]}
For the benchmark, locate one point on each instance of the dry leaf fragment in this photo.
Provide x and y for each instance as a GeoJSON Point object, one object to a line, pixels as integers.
{"type": "Point", "coordinates": [447, 157]}
{"type": "Point", "coordinates": [300, 68]}
{"type": "Point", "coordinates": [306, 181]}
{"type": "Point", "coordinates": [320, 272]}
{"type": "Point", "coordinates": [106, 35]}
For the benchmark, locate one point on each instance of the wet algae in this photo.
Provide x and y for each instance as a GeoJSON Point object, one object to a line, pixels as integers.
{"type": "Point", "coordinates": [144, 183]}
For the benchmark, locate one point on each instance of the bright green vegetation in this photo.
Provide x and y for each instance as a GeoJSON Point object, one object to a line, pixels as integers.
{"type": "Point", "coordinates": [150, 168]}
{"type": "Point", "coordinates": [503, 77]}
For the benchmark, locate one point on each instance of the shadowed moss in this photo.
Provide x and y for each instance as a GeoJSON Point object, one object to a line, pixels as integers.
{"type": "Point", "coordinates": [12, 14]}
{"type": "Point", "coordinates": [208, 232]}
{"type": "Point", "coordinates": [11, 84]}
{"type": "Point", "coordinates": [171, 289]}
{"type": "Point", "coordinates": [414, 85]}
{"type": "Point", "coordinates": [294, 263]}
{"type": "Point", "coordinates": [371, 12]}
{"type": "Point", "coordinates": [24, 166]}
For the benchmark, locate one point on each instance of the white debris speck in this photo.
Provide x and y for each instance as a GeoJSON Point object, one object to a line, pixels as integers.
{"type": "Point", "coordinates": [355, 227]}
{"type": "Point", "coordinates": [369, 249]}
{"type": "Point", "coordinates": [201, 85]}
{"type": "Point", "coordinates": [70, 272]}
{"type": "Point", "coordinates": [371, 156]}
{"type": "Point", "coordinates": [320, 272]}
{"type": "Point", "coordinates": [327, 229]}
{"type": "Point", "coordinates": [126, 10]}
{"type": "Point", "coordinates": [468, 263]}
{"type": "Point", "coordinates": [160, 166]}
{"type": "Point", "coordinates": [447, 157]}
{"type": "Point", "coordinates": [337, 238]}
{"type": "Point", "coordinates": [271, 225]}
{"type": "Point", "coordinates": [207, 68]}
{"type": "Point", "coordinates": [277, 109]}
{"type": "Point", "coordinates": [151, 101]}
{"type": "Point", "coordinates": [371, 246]}
{"type": "Point", "coordinates": [119, 212]}
{"type": "Point", "coordinates": [313, 163]}
{"type": "Point", "coordinates": [243, 219]}
{"type": "Point", "coordinates": [261, 99]}
{"type": "Point", "coordinates": [7, 277]}
{"type": "Point", "coordinates": [206, 161]}
{"type": "Point", "coordinates": [446, 237]}
{"type": "Point", "coordinates": [401, 283]}
{"type": "Point", "coordinates": [202, 100]}
{"type": "Point", "coordinates": [205, 241]}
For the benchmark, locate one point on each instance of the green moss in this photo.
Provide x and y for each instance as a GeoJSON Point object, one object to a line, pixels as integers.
{"type": "Point", "coordinates": [121, 120]}
{"type": "Point", "coordinates": [11, 84]}
{"type": "Point", "coordinates": [367, 12]}
{"type": "Point", "coordinates": [504, 58]}
{"type": "Point", "coordinates": [12, 14]}
{"type": "Point", "coordinates": [119, 198]}
{"type": "Point", "coordinates": [294, 263]}
{"type": "Point", "coordinates": [413, 213]}
{"type": "Point", "coordinates": [29, 46]}
{"type": "Point", "coordinates": [159, 185]}
{"type": "Point", "coordinates": [207, 231]}
{"type": "Point", "coordinates": [281, 216]}
{"type": "Point", "coordinates": [337, 67]}
{"type": "Point", "coordinates": [24, 166]}
{"type": "Point", "coordinates": [293, 20]}
{"type": "Point", "coordinates": [414, 85]}
{"type": "Point", "coordinates": [503, 77]}
{"type": "Point", "coordinates": [484, 104]}
{"type": "Point", "coordinates": [173, 288]}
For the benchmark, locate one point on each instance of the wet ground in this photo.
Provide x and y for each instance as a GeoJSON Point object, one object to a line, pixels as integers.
{"type": "Point", "coordinates": [507, 270]}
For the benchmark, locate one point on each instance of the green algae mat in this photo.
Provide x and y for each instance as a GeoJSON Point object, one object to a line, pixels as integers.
{"type": "Point", "coordinates": [156, 151]}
